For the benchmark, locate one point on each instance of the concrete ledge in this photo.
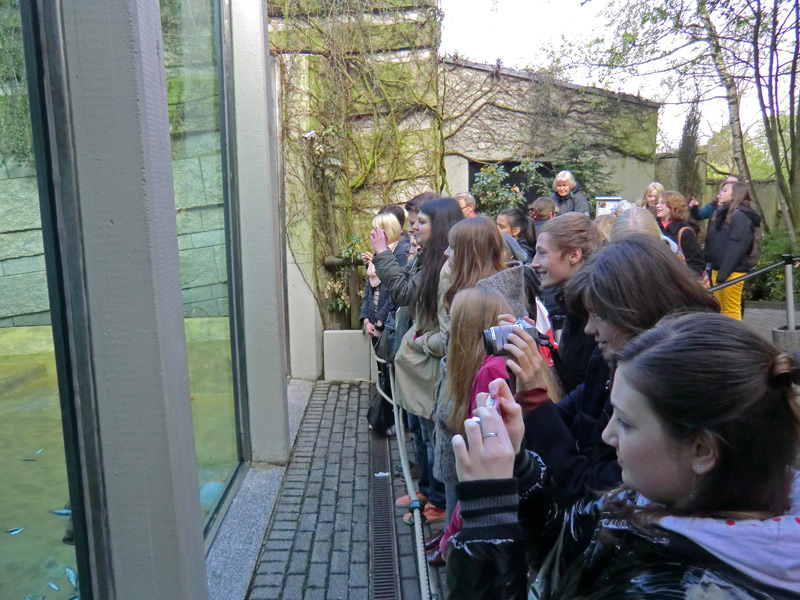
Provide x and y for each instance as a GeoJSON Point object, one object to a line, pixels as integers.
{"type": "Point", "coordinates": [347, 355]}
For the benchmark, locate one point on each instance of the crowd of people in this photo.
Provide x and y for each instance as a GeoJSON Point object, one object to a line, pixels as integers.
{"type": "Point", "coordinates": [589, 420]}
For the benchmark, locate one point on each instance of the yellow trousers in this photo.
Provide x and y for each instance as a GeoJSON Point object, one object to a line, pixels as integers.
{"type": "Point", "coordinates": [730, 298]}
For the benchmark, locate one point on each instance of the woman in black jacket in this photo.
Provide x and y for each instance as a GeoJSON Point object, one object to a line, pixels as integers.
{"type": "Point", "coordinates": [729, 242]}
{"type": "Point", "coordinates": [711, 502]}
{"type": "Point", "coordinates": [672, 213]}
{"type": "Point", "coordinates": [562, 246]}
{"type": "Point", "coordinates": [625, 289]}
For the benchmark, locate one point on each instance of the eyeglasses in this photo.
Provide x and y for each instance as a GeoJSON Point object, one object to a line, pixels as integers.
{"type": "Point", "coordinates": [661, 203]}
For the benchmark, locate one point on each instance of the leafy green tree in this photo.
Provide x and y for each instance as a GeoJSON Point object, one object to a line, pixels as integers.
{"type": "Point", "coordinates": [718, 47]}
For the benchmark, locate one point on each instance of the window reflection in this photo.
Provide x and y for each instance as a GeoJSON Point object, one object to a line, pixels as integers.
{"type": "Point", "coordinates": [37, 555]}
{"type": "Point", "coordinates": [193, 96]}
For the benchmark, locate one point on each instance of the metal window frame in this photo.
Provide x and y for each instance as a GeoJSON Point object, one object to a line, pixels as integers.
{"type": "Point", "coordinates": [41, 31]}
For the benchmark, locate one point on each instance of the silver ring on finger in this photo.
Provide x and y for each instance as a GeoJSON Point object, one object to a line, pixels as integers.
{"type": "Point", "coordinates": [490, 434]}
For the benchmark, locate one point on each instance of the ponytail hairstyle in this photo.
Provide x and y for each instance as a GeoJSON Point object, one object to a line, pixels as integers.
{"type": "Point", "coordinates": [634, 283]}
{"type": "Point", "coordinates": [573, 231]}
{"type": "Point", "coordinates": [476, 252]}
{"type": "Point", "coordinates": [746, 404]}
{"type": "Point", "coordinates": [474, 310]}
{"type": "Point", "coordinates": [443, 214]}
{"type": "Point", "coordinates": [519, 219]}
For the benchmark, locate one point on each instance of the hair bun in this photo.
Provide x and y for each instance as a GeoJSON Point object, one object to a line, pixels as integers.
{"type": "Point", "coordinates": [784, 369]}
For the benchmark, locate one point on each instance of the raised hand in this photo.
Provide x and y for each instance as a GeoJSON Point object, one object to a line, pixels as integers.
{"type": "Point", "coordinates": [377, 238]}
{"type": "Point", "coordinates": [490, 454]}
{"type": "Point", "coordinates": [526, 361]}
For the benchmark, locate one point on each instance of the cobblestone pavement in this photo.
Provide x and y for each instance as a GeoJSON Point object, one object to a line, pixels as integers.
{"type": "Point", "coordinates": [317, 545]}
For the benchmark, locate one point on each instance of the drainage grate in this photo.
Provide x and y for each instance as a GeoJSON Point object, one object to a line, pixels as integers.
{"type": "Point", "coordinates": [383, 565]}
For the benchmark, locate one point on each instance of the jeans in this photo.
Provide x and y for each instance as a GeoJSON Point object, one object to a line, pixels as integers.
{"type": "Point", "coordinates": [421, 452]}
{"type": "Point", "coordinates": [437, 493]}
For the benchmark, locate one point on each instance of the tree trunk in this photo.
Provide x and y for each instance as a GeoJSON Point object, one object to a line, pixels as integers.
{"type": "Point", "coordinates": [732, 97]}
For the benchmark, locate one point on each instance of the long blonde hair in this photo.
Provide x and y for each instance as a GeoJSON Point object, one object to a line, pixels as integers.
{"type": "Point", "coordinates": [473, 311]}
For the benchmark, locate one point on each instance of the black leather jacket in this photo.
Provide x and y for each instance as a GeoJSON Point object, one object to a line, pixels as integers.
{"type": "Point", "coordinates": [581, 552]}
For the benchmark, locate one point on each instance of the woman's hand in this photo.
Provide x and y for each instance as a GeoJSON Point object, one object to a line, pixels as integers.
{"type": "Point", "coordinates": [377, 238]}
{"type": "Point", "coordinates": [507, 408]}
{"type": "Point", "coordinates": [366, 257]}
{"type": "Point", "coordinates": [490, 454]}
{"type": "Point", "coordinates": [693, 202]}
{"type": "Point", "coordinates": [506, 319]}
{"type": "Point", "coordinates": [526, 361]}
{"type": "Point", "coordinates": [369, 328]}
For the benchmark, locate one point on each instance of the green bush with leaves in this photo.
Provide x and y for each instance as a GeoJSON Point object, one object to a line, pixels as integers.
{"type": "Point", "coordinates": [771, 286]}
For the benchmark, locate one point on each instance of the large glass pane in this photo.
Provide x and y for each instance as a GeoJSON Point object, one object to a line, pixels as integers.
{"type": "Point", "coordinates": [37, 555]}
{"type": "Point", "coordinates": [193, 96]}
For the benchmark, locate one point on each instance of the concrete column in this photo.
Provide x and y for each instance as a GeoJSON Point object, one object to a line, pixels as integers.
{"type": "Point", "coordinates": [259, 222]}
{"type": "Point", "coordinates": [109, 113]}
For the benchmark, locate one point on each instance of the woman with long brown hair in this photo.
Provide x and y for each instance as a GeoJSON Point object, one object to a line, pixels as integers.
{"type": "Point", "coordinates": [729, 241]}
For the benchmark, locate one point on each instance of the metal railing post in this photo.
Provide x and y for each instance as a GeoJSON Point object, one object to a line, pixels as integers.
{"type": "Point", "coordinates": [788, 262]}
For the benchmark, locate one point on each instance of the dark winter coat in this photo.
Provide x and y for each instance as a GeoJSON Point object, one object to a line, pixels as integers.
{"type": "Point", "coordinates": [567, 435]}
{"type": "Point", "coordinates": [575, 349]}
{"type": "Point", "coordinates": [692, 252]}
{"type": "Point", "coordinates": [386, 304]}
{"type": "Point", "coordinates": [587, 552]}
{"type": "Point", "coordinates": [729, 240]}
{"type": "Point", "coordinates": [575, 201]}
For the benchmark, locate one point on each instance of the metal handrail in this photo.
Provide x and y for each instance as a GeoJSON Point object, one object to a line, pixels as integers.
{"type": "Point", "coordinates": [787, 261]}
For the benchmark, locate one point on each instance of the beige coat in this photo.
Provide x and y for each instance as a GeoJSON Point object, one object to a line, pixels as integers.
{"type": "Point", "coordinates": [417, 364]}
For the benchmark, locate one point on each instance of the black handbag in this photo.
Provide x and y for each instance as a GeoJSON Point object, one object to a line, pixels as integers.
{"type": "Point", "coordinates": [380, 413]}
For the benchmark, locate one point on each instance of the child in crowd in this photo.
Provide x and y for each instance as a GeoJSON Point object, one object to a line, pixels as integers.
{"type": "Point", "coordinates": [541, 210]}
{"type": "Point", "coordinates": [514, 222]}
{"type": "Point", "coordinates": [469, 371]}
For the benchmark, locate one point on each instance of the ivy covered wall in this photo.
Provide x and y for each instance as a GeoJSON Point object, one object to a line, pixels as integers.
{"type": "Point", "coordinates": [360, 126]}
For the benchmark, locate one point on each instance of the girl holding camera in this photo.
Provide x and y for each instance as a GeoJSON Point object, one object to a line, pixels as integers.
{"type": "Point", "coordinates": [710, 500]}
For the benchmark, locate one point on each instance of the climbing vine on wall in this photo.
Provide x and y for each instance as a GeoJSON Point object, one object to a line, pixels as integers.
{"type": "Point", "coordinates": [360, 124]}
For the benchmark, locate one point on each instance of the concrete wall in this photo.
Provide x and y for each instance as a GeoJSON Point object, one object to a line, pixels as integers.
{"type": "Point", "coordinates": [631, 175]}
{"type": "Point", "coordinates": [495, 115]}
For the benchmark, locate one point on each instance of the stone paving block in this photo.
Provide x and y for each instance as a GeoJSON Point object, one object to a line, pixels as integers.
{"type": "Point", "coordinates": [293, 588]}
{"type": "Point", "coordinates": [321, 552]}
{"type": "Point", "coordinates": [298, 563]}
{"type": "Point", "coordinates": [359, 575]}
{"type": "Point", "coordinates": [324, 532]}
{"type": "Point", "coordinates": [268, 580]}
{"type": "Point", "coordinates": [317, 575]}
{"type": "Point", "coordinates": [337, 587]}
{"type": "Point", "coordinates": [271, 568]}
{"type": "Point", "coordinates": [302, 541]}
{"type": "Point", "coordinates": [272, 593]}
{"type": "Point", "coordinates": [340, 562]}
